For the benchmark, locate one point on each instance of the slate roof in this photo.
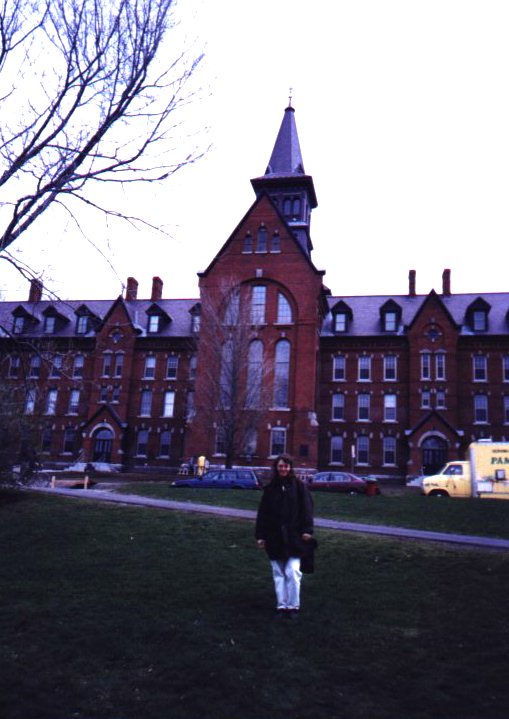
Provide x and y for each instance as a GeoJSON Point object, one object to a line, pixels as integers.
{"type": "Point", "coordinates": [177, 309]}
{"type": "Point", "coordinates": [365, 319]}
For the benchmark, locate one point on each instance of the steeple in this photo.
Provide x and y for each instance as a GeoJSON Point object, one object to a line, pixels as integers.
{"type": "Point", "coordinates": [286, 182]}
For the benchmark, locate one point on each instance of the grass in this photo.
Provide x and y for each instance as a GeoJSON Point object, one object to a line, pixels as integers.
{"type": "Point", "coordinates": [120, 612]}
{"type": "Point", "coordinates": [398, 507]}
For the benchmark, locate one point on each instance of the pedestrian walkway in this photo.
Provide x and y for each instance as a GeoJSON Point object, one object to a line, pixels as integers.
{"type": "Point", "coordinates": [397, 532]}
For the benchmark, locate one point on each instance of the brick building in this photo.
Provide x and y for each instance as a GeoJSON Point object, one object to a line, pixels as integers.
{"type": "Point", "coordinates": [266, 359]}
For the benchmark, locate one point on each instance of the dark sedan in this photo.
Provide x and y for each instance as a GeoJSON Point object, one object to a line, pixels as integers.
{"type": "Point", "coordinates": [222, 479]}
{"type": "Point", "coordinates": [343, 482]}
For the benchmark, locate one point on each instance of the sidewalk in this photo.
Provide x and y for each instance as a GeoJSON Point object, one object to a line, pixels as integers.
{"type": "Point", "coordinates": [398, 532]}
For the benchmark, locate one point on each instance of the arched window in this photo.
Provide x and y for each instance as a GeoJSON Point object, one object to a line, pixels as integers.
{"type": "Point", "coordinates": [254, 374]}
{"type": "Point", "coordinates": [261, 240]}
{"type": "Point", "coordinates": [282, 373]}
{"type": "Point", "coordinates": [258, 300]}
{"type": "Point", "coordinates": [226, 379]}
{"type": "Point", "coordinates": [284, 311]}
{"type": "Point", "coordinates": [248, 243]}
{"type": "Point", "coordinates": [231, 316]}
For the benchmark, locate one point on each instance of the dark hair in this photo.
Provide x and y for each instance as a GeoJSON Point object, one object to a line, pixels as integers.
{"type": "Point", "coordinates": [282, 458]}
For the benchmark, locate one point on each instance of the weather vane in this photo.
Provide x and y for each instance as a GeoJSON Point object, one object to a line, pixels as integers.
{"type": "Point", "coordinates": [290, 97]}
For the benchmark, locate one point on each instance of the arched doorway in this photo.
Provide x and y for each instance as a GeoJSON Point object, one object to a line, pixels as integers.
{"type": "Point", "coordinates": [103, 440]}
{"type": "Point", "coordinates": [434, 454]}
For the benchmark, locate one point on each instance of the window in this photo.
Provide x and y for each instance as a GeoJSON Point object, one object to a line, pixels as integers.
{"type": "Point", "coordinates": [18, 325]}
{"type": "Point", "coordinates": [150, 367]}
{"type": "Point", "coordinates": [107, 364]}
{"type": "Point", "coordinates": [338, 406]}
{"type": "Point", "coordinates": [480, 408]}
{"type": "Point", "coordinates": [389, 450]}
{"type": "Point", "coordinates": [153, 323]}
{"type": "Point", "coordinates": [505, 368]}
{"type": "Point", "coordinates": [82, 325]}
{"type": "Point", "coordinates": [46, 440]}
{"type": "Point", "coordinates": [254, 374]}
{"type": "Point", "coordinates": [363, 406]}
{"type": "Point", "coordinates": [69, 440]}
{"type": "Point", "coordinates": [164, 443]}
{"type": "Point", "coordinates": [119, 364]}
{"type": "Point", "coordinates": [440, 366]}
{"type": "Point", "coordinates": [426, 365]}
{"type": "Point", "coordinates": [115, 395]}
{"type": "Point", "coordinates": [282, 373]}
{"type": "Point", "coordinates": [74, 401]}
{"type": "Point", "coordinates": [232, 314]}
{"type": "Point", "coordinates": [479, 320]}
{"type": "Point", "coordinates": [362, 450]}
{"type": "Point", "coordinates": [168, 403]}
{"type": "Point", "coordinates": [284, 311]}
{"type": "Point", "coordinates": [261, 240]}
{"type": "Point", "coordinates": [480, 368]}
{"type": "Point", "coordinates": [390, 321]}
{"type": "Point", "coordinates": [103, 394]}
{"type": "Point", "coordinates": [57, 363]}
{"type": "Point", "coordinates": [146, 403]}
{"type": "Point", "coordinates": [192, 366]}
{"type": "Point", "coordinates": [277, 441]}
{"type": "Point", "coordinates": [341, 322]}
{"type": "Point", "coordinates": [142, 442]}
{"type": "Point", "coordinates": [171, 367]}
{"type": "Point", "coordinates": [195, 322]}
{"type": "Point", "coordinates": [51, 402]}
{"type": "Point", "coordinates": [390, 408]}
{"type": "Point", "coordinates": [258, 299]}
{"type": "Point", "coordinates": [364, 369]}
{"type": "Point", "coordinates": [30, 401]}
{"type": "Point", "coordinates": [220, 443]}
{"type": "Point", "coordinates": [248, 243]}
{"type": "Point", "coordinates": [276, 243]}
{"type": "Point", "coordinates": [79, 363]}
{"type": "Point", "coordinates": [339, 368]}
{"type": "Point", "coordinates": [190, 411]}
{"type": "Point", "coordinates": [226, 379]}
{"type": "Point", "coordinates": [425, 399]}
{"type": "Point", "coordinates": [506, 410]}
{"type": "Point", "coordinates": [336, 450]}
{"type": "Point", "coordinates": [14, 366]}
{"type": "Point", "coordinates": [440, 404]}
{"type": "Point", "coordinates": [49, 324]}
{"type": "Point", "coordinates": [390, 368]}
{"type": "Point", "coordinates": [35, 366]}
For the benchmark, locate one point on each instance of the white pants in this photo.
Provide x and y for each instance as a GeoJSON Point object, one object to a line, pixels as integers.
{"type": "Point", "coordinates": [287, 576]}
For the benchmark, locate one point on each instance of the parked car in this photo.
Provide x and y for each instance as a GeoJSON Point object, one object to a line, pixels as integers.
{"type": "Point", "coordinates": [343, 482]}
{"type": "Point", "coordinates": [222, 479]}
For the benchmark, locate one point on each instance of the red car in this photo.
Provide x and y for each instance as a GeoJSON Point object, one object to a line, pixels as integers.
{"type": "Point", "coordinates": [343, 482]}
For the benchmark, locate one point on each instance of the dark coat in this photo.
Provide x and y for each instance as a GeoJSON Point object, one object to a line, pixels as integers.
{"type": "Point", "coordinates": [284, 514]}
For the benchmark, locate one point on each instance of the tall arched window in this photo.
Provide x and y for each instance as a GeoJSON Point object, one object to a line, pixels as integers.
{"type": "Point", "coordinates": [284, 311]}
{"type": "Point", "coordinates": [227, 375]}
{"type": "Point", "coordinates": [231, 316]}
{"type": "Point", "coordinates": [282, 373]}
{"type": "Point", "coordinates": [254, 374]}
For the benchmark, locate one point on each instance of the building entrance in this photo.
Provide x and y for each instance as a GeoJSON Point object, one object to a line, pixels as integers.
{"type": "Point", "coordinates": [103, 441]}
{"type": "Point", "coordinates": [434, 454]}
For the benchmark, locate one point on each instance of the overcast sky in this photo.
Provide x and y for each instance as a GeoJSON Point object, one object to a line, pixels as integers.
{"type": "Point", "coordinates": [402, 109]}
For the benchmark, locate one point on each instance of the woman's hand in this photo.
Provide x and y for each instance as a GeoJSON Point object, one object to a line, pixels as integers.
{"type": "Point", "coordinates": [260, 543]}
{"type": "Point", "coordinates": [306, 537]}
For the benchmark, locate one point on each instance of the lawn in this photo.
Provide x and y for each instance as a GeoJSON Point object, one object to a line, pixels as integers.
{"type": "Point", "coordinates": [121, 612]}
{"type": "Point", "coordinates": [399, 507]}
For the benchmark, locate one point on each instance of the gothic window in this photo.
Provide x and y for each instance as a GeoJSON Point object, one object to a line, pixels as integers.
{"type": "Point", "coordinates": [282, 373]}
{"type": "Point", "coordinates": [248, 243]}
{"type": "Point", "coordinates": [261, 240]}
{"type": "Point", "coordinates": [284, 311]}
{"type": "Point", "coordinates": [254, 374]}
{"type": "Point", "coordinates": [258, 300]}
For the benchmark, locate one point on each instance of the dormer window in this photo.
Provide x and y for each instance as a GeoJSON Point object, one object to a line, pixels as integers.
{"type": "Point", "coordinates": [18, 325]}
{"type": "Point", "coordinates": [390, 316]}
{"type": "Point", "coordinates": [341, 322]}
{"type": "Point", "coordinates": [82, 325]}
{"type": "Point", "coordinates": [49, 324]}
{"type": "Point", "coordinates": [390, 321]}
{"type": "Point", "coordinates": [342, 316]}
{"type": "Point", "coordinates": [153, 323]}
{"type": "Point", "coordinates": [477, 315]}
{"type": "Point", "coordinates": [480, 321]}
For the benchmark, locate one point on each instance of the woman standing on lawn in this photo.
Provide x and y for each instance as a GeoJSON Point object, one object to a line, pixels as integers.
{"type": "Point", "coordinates": [284, 528]}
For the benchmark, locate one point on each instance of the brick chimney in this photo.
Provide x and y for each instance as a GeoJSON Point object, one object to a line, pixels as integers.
{"type": "Point", "coordinates": [35, 293]}
{"type": "Point", "coordinates": [446, 283]}
{"type": "Point", "coordinates": [131, 291]}
{"type": "Point", "coordinates": [157, 289]}
{"type": "Point", "coordinates": [411, 283]}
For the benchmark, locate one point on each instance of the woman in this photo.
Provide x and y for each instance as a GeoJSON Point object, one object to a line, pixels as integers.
{"type": "Point", "coordinates": [284, 528]}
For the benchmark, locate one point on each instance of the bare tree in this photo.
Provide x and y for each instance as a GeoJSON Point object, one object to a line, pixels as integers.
{"type": "Point", "coordinates": [87, 96]}
{"type": "Point", "coordinates": [233, 387]}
